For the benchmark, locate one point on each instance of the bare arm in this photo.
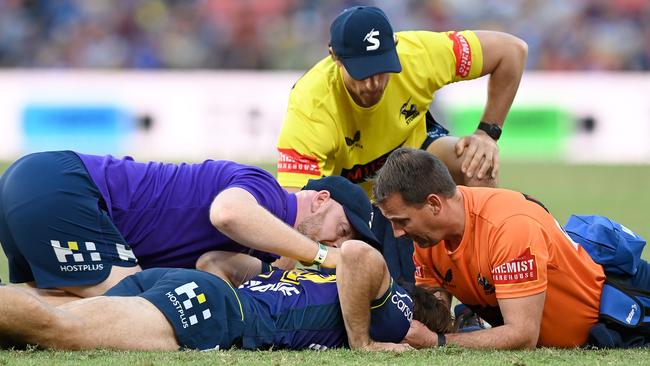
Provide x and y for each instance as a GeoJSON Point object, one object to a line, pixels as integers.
{"type": "Point", "coordinates": [235, 268]}
{"type": "Point", "coordinates": [522, 319]}
{"type": "Point", "coordinates": [361, 277]}
{"type": "Point", "coordinates": [236, 213]}
{"type": "Point", "coordinates": [504, 58]}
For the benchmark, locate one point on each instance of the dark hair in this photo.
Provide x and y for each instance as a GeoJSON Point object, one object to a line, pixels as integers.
{"type": "Point", "coordinates": [414, 174]}
{"type": "Point", "coordinates": [430, 310]}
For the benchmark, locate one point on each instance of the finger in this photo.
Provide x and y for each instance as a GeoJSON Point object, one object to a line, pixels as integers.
{"type": "Point", "coordinates": [460, 146]}
{"type": "Point", "coordinates": [485, 166]}
{"type": "Point", "coordinates": [474, 165]}
{"type": "Point", "coordinates": [495, 166]}
{"type": "Point", "coordinates": [471, 160]}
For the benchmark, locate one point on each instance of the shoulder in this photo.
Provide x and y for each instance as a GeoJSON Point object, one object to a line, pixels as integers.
{"type": "Point", "coordinates": [497, 205]}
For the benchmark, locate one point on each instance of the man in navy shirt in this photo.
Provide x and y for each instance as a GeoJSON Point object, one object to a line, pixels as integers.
{"type": "Point", "coordinates": [82, 223]}
{"type": "Point", "coordinates": [168, 309]}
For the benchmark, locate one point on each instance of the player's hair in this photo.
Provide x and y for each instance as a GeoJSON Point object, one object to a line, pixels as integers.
{"type": "Point", "coordinates": [431, 311]}
{"type": "Point", "coordinates": [414, 174]}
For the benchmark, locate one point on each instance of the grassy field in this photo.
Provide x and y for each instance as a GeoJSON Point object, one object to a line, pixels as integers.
{"type": "Point", "coordinates": [620, 192]}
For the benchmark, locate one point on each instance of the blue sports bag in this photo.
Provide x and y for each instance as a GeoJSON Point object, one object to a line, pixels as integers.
{"type": "Point", "coordinates": [610, 244]}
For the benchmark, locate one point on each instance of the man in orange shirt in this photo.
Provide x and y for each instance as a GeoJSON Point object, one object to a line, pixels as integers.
{"type": "Point", "coordinates": [498, 251]}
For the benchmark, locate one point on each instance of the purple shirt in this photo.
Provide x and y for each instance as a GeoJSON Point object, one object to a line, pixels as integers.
{"type": "Point", "coordinates": [162, 210]}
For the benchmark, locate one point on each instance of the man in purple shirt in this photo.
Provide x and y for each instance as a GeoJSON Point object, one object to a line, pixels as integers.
{"type": "Point", "coordinates": [81, 223]}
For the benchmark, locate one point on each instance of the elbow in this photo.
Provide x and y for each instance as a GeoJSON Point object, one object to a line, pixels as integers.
{"type": "Point", "coordinates": [520, 50]}
{"type": "Point", "coordinates": [224, 217]}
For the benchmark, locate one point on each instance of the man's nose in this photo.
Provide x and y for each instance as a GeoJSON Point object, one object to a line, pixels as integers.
{"type": "Point", "coordinates": [398, 232]}
{"type": "Point", "coordinates": [372, 82]}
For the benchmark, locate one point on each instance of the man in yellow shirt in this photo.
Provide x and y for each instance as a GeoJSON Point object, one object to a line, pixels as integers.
{"type": "Point", "coordinates": [371, 96]}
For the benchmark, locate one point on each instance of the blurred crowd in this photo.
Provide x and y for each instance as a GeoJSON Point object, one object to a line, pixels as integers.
{"type": "Point", "coordinates": [293, 34]}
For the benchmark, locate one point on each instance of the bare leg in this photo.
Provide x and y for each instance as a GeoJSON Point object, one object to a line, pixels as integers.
{"type": "Point", "coordinates": [361, 277]}
{"type": "Point", "coordinates": [117, 275]}
{"type": "Point", "coordinates": [444, 149]}
{"type": "Point", "coordinates": [235, 268]}
{"type": "Point", "coordinates": [51, 296]}
{"type": "Point", "coordinates": [129, 323]}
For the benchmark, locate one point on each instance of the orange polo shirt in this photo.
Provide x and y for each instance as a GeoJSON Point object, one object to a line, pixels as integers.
{"type": "Point", "coordinates": [512, 247]}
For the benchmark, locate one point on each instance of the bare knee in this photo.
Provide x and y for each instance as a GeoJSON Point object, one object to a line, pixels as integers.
{"type": "Point", "coordinates": [359, 252]}
{"type": "Point", "coordinates": [117, 274]}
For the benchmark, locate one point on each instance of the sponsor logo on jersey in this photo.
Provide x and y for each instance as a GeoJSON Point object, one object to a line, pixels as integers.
{"type": "Point", "coordinates": [361, 172]}
{"type": "Point", "coordinates": [183, 298]}
{"type": "Point", "coordinates": [488, 288]}
{"type": "Point", "coordinates": [291, 161]}
{"type": "Point", "coordinates": [409, 111]}
{"type": "Point", "coordinates": [371, 37]}
{"type": "Point", "coordinates": [521, 269]}
{"type": "Point", "coordinates": [399, 300]}
{"type": "Point", "coordinates": [447, 278]}
{"type": "Point", "coordinates": [353, 142]}
{"type": "Point", "coordinates": [463, 53]}
{"type": "Point", "coordinates": [285, 288]}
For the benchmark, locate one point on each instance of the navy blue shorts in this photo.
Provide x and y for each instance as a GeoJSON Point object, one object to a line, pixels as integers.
{"type": "Point", "coordinates": [203, 309]}
{"type": "Point", "coordinates": [398, 252]}
{"type": "Point", "coordinates": [434, 131]}
{"type": "Point", "coordinates": [54, 227]}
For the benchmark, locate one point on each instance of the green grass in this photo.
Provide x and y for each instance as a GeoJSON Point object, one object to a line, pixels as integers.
{"type": "Point", "coordinates": [447, 356]}
{"type": "Point", "coordinates": [619, 192]}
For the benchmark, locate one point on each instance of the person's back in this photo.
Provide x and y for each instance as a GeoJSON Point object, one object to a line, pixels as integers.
{"type": "Point", "coordinates": [162, 209]}
{"type": "Point", "coordinates": [512, 247]}
{"type": "Point", "coordinates": [300, 309]}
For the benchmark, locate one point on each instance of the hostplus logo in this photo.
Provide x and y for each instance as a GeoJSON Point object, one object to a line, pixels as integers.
{"type": "Point", "coordinates": [185, 307]}
{"type": "Point", "coordinates": [72, 259]}
{"type": "Point", "coordinates": [409, 111]}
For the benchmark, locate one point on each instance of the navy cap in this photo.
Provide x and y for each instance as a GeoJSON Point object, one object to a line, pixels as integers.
{"type": "Point", "coordinates": [354, 200]}
{"type": "Point", "coordinates": [362, 38]}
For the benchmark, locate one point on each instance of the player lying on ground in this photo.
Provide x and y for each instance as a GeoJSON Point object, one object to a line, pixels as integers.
{"type": "Point", "coordinates": [168, 309]}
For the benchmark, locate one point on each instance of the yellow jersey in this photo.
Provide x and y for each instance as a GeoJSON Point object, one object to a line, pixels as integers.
{"type": "Point", "coordinates": [326, 133]}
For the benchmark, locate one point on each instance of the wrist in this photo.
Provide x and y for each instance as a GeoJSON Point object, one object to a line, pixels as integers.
{"type": "Point", "coordinates": [442, 340]}
{"type": "Point", "coordinates": [491, 129]}
{"type": "Point", "coordinates": [321, 255]}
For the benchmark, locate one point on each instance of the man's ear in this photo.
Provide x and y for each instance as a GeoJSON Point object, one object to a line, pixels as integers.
{"type": "Point", "coordinates": [319, 199]}
{"type": "Point", "coordinates": [434, 202]}
{"type": "Point", "coordinates": [330, 50]}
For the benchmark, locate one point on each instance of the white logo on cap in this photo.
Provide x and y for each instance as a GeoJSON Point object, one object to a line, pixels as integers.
{"type": "Point", "coordinates": [370, 37]}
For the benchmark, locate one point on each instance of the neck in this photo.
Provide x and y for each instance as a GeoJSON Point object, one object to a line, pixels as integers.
{"type": "Point", "coordinates": [303, 201]}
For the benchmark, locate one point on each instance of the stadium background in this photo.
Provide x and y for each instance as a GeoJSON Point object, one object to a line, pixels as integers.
{"type": "Point", "coordinates": [191, 80]}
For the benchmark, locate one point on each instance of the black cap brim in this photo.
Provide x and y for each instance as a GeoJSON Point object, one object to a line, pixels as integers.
{"type": "Point", "coordinates": [364, 67]}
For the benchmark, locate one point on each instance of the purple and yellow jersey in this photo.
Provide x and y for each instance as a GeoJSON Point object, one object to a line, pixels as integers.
{"type": "Point", "coordinates": [326, 133]}
{"type": "Point", "coordinates": [300, 309]}
{"type": "Point", "coordinates": [162, 210]}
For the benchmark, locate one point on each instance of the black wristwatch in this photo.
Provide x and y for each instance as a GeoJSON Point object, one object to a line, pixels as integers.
{"type": "Point", "coordinates": [493, 130]}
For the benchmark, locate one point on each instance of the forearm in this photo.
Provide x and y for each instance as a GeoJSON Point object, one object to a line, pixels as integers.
{"type": "Point", "coordinates": [504, 80]}
{"type": "Point", "coordinates": [360, 278]}
{"type": "Point", "coordinates": [502, 337]}
{"type": "Point", "coordinates": [253, 226]}
{"type": "Point", "coordinates": [236, 214]}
